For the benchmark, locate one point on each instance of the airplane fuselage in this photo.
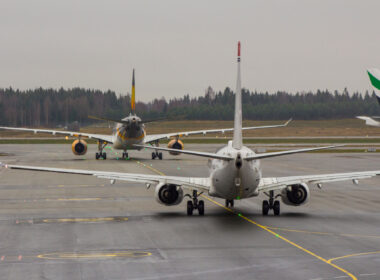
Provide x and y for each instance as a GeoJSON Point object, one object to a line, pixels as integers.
{"type": "Point", "coordinates": [126, 135]}
{"type": "Point", "coordinates": [234, 179]}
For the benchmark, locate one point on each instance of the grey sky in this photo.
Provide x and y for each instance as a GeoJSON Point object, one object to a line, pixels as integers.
{"type": "Point", "coordinates": [180, 47]}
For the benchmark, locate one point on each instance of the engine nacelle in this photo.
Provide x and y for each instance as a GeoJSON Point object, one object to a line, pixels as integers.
{"type": "Point", "coordinates": [79, 147]}
{"type": "Point", "coordinates": [295, 195]}
{"type": "Point", "coordinates": [168, 194]}
{"type": "Point", "coordinates": [175, 144]}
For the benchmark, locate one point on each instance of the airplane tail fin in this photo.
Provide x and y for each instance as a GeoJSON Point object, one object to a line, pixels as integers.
{"type": "Point", "coordinates": [133, 101]}
{"type": "Point", "coordinates": [374, 77]}
{"type": "Point", "coordinates": [237, 141]}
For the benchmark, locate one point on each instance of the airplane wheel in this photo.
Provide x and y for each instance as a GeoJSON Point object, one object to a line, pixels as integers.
{"type": "Point", "coordinates": [153, 155]}
{"type": "Point", "coordinates": [190, 208]}
{"type": "Point", "coordinates": [229, 202]}
{"type": "Point", "coordinates": [276, 208]}
{"type": "Point", "coordinates": [97, 156]}
{"type": "Point", "coordinates": [160, 156]}
{"type": "Point", "coordinates": [265, 207]}
{"type": "Point", "coordinates": [201, 208]}
{"type": "Point", "coordinates": [104, 155]}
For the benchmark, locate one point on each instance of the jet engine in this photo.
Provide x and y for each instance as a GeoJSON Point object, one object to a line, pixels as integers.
{"type": "Point", "coordinates": [295, 195]}
{"type": "Point", "coordinates": [79, 147]}
{"type": "Point", "coordinates": [168, 194]}
{"type": "Point", "coordinates": [175, 144]}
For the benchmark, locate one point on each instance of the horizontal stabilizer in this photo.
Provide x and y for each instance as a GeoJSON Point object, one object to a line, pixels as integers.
{"type": "Point", "coordinates": [155, 120]}
{"type": "Point", "coordinates": [124, 122]}
{"type": "Point", "coordinates": [106, 119]}
{"type": "Point", "coordinates": [284, 153]}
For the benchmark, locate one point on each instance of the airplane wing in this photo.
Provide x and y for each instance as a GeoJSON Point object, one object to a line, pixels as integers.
{"type": "Point", "coordinates": [194, 153]}
{"type": "Point", "coordinates": [190, 183]}
{"type": "Point", "coordinates": [155, 137]}
{"type": "Point", "coordinates": [279, 183]}
{"type": "Point", "coordinates": [105, 138]}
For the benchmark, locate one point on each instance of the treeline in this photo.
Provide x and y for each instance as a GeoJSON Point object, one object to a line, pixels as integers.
{"type": "Point", "coordinates": [52, 107]}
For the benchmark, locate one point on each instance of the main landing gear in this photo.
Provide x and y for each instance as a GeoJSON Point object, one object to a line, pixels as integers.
{"type": "Point", "coordinates": [271, 204]}
{"type": "Point", "coordinates": [195, 204]}
{"type": "Point", "coordinates": [100, 154]}
{"type": "Point", "coordinates": [156, 154]}
{"type": "Point", "coordinates": [229, 202]}
{"type": "Point", "coordinates": [125, 155]}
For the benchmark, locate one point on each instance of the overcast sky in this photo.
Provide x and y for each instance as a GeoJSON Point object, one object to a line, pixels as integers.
{"type": "Point", "coordinates": [180, 47]}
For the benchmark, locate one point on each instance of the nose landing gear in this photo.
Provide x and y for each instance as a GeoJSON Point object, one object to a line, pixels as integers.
{"type": "Point", "coordinates": [229, 202]}
{"type": "Point", "coordinates": [271, 204]}
{"type": "Point", "coordinates": [195, 204]}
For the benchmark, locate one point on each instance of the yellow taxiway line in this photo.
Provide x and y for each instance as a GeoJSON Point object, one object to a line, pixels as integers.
{"type": "Point", "coordinates": [329, 262]}
{"type": "Point", "coordinates": [353, 255]}
{"type": "Point", "coordinates": [324, 233]}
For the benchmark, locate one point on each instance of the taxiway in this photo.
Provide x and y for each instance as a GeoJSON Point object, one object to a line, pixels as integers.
{"type": "Point", "coordinates": [59, 226]}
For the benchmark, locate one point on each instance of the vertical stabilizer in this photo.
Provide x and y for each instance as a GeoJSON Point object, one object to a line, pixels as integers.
{"type": "Point", "coordinates": [133, 102]}
{"type": "Point", "coordinates": [237, 141]}
{"type": "Point", "coordinates": [374, 77]}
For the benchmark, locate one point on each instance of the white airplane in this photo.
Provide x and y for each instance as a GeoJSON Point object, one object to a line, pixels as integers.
{"type": "Point", "coordinates": [128, 132]}
{"type": "Point", "coordinates": [374, 77]}
{"type": "Point", "coordinates": [234, 174]}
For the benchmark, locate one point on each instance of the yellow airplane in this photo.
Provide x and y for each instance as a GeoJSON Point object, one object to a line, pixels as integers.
{"type": "Point", "coordinates": [129, 134]}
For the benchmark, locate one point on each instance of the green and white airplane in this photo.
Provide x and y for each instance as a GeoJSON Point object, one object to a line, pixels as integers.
{"type": "Point", "coordinates": [374, 77]}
